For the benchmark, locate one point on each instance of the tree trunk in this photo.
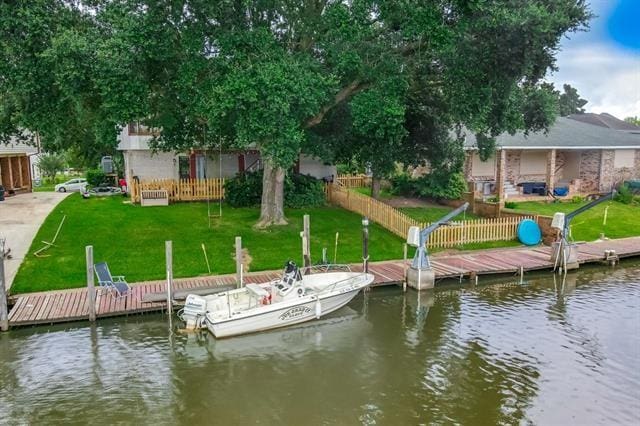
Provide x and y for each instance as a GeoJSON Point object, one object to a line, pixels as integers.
{"type": "Point", "coordinates": [272, 207]}
{"type": "Point", "coordinates": [375, 187]}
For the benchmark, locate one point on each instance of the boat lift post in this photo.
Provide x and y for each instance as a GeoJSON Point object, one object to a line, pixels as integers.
{"type": "Point", "coordinates": [564, 254]}
{"type": "Point", "coordinates": [420, 275]}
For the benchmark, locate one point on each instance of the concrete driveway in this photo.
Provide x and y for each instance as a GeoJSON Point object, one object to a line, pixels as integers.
{"type": "Point", "coordinates": [20, 219]}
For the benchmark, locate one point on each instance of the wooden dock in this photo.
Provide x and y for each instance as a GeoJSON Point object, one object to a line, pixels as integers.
{"type": "Point", "coordinates": [72, 305]}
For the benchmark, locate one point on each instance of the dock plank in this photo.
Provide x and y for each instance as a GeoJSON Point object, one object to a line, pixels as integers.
{"type": "Point", "coordinates": [72, 305]}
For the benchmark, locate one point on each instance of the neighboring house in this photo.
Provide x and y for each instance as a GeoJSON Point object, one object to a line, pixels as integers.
{"type": "Point", "coordinates": [606, 120]}
{"type": "Point", "coordinates": [581, 157]}
{"type": "Point", "coordinates": [142, 162]}
{"type": "Point", "coordinates": [15, 167]}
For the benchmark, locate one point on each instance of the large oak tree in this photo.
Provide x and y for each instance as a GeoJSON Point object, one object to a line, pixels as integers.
{"type": "Point", "coordinates": [268, 73]}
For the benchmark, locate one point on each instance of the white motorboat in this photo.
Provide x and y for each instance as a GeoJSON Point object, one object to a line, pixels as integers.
{"type": "Point", "coordinates": [297, 297]}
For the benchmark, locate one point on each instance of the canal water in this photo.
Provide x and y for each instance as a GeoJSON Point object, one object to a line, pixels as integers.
{"type": "Point", "coordinates": [542, 351]}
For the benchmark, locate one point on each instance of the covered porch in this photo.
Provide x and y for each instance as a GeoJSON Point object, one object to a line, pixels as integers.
{"type": "Point", "coordinates": [15, 173]}
{"type": "Point", "coordinates": [533, 174]}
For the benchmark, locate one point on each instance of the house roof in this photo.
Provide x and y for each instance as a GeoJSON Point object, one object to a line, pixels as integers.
{"type": "Point", "coordinates": [605, 120]}
{"type": "Point", "coordinates": [565, 133]}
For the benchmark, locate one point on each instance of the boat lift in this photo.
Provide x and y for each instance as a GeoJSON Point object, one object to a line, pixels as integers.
{"type": "Point", "coordinates": [420, 275]}
{"type": "Point", "coordinates": [562, 246]}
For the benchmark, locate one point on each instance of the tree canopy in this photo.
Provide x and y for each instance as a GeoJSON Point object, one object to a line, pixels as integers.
{"type": "Point", "coordinates": [282, 75]}
{"type": "Point", "coordinates": [570, 102]}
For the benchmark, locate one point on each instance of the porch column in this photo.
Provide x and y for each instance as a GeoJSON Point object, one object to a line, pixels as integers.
{"type": "Point", "coordinates": [10, 183]}
{"type": "Point", "coordinates": [551, 170]}
{"type": "Point", "coordinates": [501, 160]}
{"type": "Point", "coordinates": [18, 165]}
{"type": "Point", "coordinates": [26, 172]}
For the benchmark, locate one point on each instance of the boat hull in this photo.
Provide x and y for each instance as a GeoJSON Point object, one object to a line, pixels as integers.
{"type": "Point", "coordinates": [288, 314]}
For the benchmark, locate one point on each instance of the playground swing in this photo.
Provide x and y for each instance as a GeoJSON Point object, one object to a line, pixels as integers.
{"type": "Point", "coordinates": [211, 215]}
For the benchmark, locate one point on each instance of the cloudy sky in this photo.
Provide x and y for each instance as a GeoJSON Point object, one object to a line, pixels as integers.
{"type": "Point", "coordinates": [604, 63]}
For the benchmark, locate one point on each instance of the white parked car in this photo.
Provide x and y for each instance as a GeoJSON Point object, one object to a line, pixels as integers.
{"type": "Point", "coordinates": [79, 184]}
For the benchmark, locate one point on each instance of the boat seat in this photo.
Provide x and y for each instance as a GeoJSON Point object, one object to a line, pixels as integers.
{"type": "Point", "coordinates": [256, 290]}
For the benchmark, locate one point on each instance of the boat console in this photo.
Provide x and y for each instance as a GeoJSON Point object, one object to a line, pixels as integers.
{"type": "Point", "coordinates": [290, 278]}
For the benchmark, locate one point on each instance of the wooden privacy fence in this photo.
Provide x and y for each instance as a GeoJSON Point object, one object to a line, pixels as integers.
{"type": "Point", "coordinates": [353, 181]}
{"type": "Point", "coordinates": [181, 189]}
{"type": "Point", "coordinates": [457, 233]}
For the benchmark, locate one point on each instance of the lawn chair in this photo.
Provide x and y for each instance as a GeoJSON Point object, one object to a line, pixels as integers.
{"type": "Point", "coordinates": [116, 283]}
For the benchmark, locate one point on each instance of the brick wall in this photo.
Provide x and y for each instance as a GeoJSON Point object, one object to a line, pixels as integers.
{"type": "Point", "coordinates": [590, 170]}
{"type": "Point", "coordinates": [607, 173]}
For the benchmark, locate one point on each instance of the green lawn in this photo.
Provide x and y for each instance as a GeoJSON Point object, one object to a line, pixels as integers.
{"type": "Point", "coordinates": [384, 193]}
{"type": "Point", "coordinates": [131, 239]}
{"type": "Point", "coordinates": [433, 213]}
{"type": "Point", "coordinates": [623, 220]}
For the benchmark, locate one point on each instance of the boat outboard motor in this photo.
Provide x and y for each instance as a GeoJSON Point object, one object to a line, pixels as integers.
{"type": "Point", "coordinates": [195, 308]}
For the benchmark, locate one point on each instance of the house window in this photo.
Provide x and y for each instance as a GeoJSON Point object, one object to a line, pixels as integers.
{"type": "Point", "coordinates": [624, 158]}
{"type": "Point", "coordinates": [183, 167]}
{"type": "Point", "coordinates": [533, 162]}
{"type": "Point", "coordinates": [483, 168]}
{"type": "Point", "coordinates": [201, 166]}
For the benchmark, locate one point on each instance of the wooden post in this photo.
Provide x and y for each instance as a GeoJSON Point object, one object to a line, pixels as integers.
{"type": "Point", "coordinates": [404, 267]}
{"type": "Point", "coordinates": [91, 290]}
{"type": "Point", "coordinates": [239, 261]}
{"type": "Point", "coordinates": [365, 244]}
{"type": "Point", "coordinates": [306, 241]}
{"type": "Point", "coordinates": [168, 249]}
{"type": "Point", "coordinates": [4, 311]}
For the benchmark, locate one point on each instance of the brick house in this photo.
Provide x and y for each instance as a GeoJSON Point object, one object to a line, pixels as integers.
{"type": "Point", "coordinates": [577, 155]}
{"type": "Point", "coordinates": [141, 161]}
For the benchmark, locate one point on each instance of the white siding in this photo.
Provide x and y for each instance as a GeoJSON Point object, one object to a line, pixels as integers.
{"type": "Point", "coordinates": [229, 165]}
{"type": "Point", "coordinates": [315, 167]}
{"type": "Point", "coordinates": [148, 165]}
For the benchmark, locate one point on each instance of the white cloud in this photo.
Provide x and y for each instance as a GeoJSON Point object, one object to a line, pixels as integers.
{"type": "Point", "coordinates": [608, 77]}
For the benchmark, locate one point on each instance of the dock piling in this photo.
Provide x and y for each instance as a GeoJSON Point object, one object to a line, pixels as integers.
{"type": "Point", "coordinates": [404, 267]}
{"type": "Point", "coordinates": [91, 290]}
{"type": "Point", "coordinates": [306, 241]}
{"type": "Point", "coordinates": [239, 261]}
{"type": "Point", "coordinates": [168, 248]}
{"type": "Point", "coordinates": [4, 311]}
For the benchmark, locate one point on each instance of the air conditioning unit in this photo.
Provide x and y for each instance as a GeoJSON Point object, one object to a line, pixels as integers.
{"type": "Point", "coordinates": [107, 164]}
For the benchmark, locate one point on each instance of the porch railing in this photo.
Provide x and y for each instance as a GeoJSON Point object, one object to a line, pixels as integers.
{"type": "Point", "coordinates": [181, 189]}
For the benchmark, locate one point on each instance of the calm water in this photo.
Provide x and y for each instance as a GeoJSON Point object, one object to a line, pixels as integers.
{"type": "Point", "coordinates": [508, 353]}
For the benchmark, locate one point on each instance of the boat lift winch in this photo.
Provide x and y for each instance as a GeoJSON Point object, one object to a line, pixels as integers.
{"type": "Point", "coordinates": [420, 275]}
{"type": "Point", "coordinates": [564, 254]}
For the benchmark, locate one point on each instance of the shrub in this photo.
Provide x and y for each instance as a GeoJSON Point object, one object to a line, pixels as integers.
{"type": "Point", "coordinates": [245, 190]}
{"type": "Point", "coordinates": [95, 177]}
{"type": "Point", "coordinates": [624, 195]}
{"type": "Point", "coordinates": [510, 205]}
{"type": "Point", "coordinates": [577, 199]}
{"type": "Point", "coordinates": [403, 184]}
{"type": "Point", "coordinates": [303, 191]}
{"type": "Point", "coordinates": [441, 186]}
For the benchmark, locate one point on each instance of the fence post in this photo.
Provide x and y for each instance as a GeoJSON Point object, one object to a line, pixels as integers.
{"type": "Point", "coordinates": [4, 310]}
{"type": "Point", "coordinates": [239, 261]}
{"type": "Point", "coordinates": [168, 251]}
{"type": "Point", "coordinates": [91, 290]}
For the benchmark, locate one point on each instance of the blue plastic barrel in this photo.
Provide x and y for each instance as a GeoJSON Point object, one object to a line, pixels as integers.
{"type": "Point", "coordinates": [529, 232]}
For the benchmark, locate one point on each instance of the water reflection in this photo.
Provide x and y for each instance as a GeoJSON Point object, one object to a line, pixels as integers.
{"type": "Point", "coordinates": [511, 352]}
